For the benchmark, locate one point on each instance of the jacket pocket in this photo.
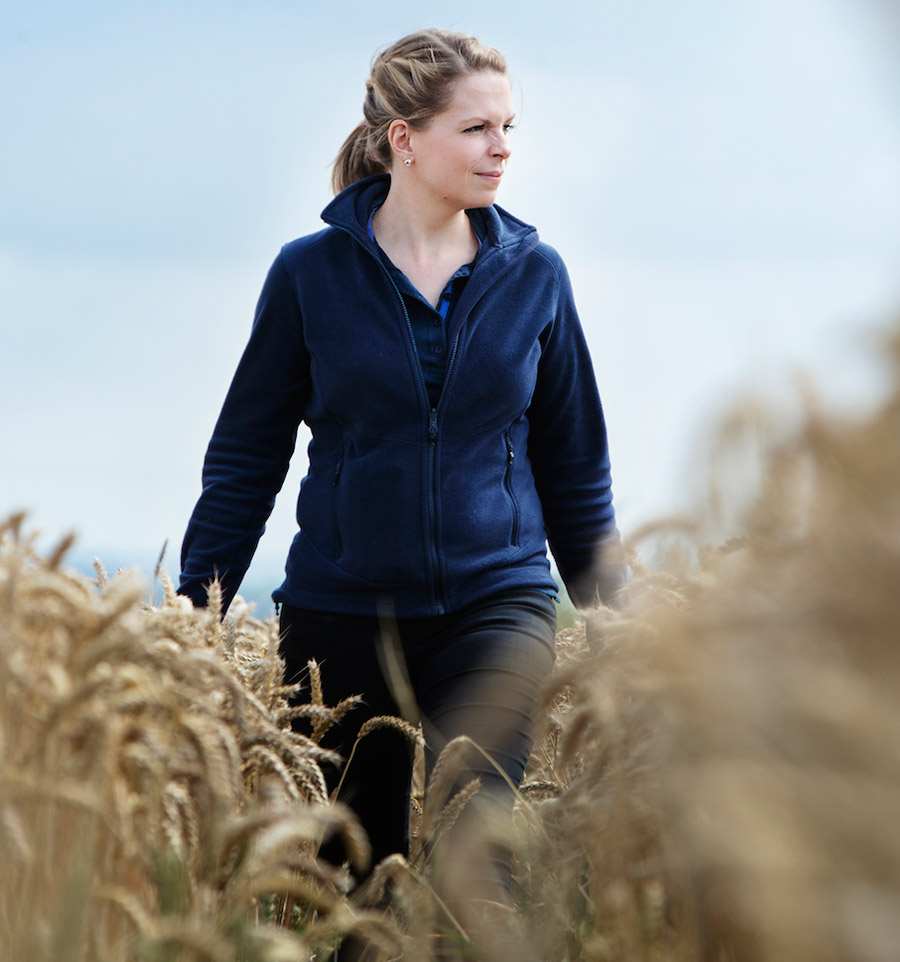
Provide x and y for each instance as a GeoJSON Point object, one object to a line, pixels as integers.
{"type": "Point", "coordinates": [335, 480]}
{"type": "Point", "coordinates": [318, 504]}
{"type": "Point", "coordinates": [508, 487]}
{"type": "Point", "coordinates": [377, 513]}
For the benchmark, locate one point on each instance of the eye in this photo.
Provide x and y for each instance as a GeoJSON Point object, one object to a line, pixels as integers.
{"type": "Point", "coordinates": [508, 127]}
{"type": "Point", "coordinates": [470, 130]}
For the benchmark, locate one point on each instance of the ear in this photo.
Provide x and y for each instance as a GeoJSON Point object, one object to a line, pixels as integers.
{"type": "Point", "coordinates": [399, 138]}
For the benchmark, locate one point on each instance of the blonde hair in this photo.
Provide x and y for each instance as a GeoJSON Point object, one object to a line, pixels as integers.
{"type": "Point", "coordinates": [410, 80]}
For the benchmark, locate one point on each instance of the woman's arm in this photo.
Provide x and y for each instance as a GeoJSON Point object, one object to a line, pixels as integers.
{"type": "Point", "coordinates": [251, 447]}
{"type": "Point", "coordinates": [570, 459]}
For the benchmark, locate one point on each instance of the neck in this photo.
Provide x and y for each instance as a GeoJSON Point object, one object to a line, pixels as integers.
{"type": "Point", "coordinates": [408, 221]}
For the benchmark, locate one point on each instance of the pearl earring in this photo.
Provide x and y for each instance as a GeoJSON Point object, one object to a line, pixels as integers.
{"type": "Point", "coordinates": [408, 161]}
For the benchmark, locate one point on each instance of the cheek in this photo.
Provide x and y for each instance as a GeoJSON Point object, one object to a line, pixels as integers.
{"type": "Point", "coordinates": [458, 163]}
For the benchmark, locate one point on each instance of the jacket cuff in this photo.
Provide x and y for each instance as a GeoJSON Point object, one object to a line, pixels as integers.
{"type": "Point", "coordinates": [602, 581]}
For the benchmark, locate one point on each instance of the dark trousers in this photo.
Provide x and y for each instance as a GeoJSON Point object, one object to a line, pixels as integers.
{"type": "Point", "coordinates": [475, 672]}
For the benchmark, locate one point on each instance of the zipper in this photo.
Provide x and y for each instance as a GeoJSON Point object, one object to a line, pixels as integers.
{"type": "Point", "coordinates": [334, 483]}
{"type": "Point", "coordinates": [432, 450]}
{"type": "Point", "coordinates": [510, 459]}
{"type": "Point", "coordinates": [436, 572]}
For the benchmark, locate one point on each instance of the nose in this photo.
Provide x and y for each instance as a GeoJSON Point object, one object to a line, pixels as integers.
{"type": "Point", "coordinates": [500, 146]}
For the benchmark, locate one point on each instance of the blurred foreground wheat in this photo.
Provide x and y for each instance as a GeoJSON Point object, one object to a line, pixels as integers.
{"type": "Point", "coordinates": [724, 772]}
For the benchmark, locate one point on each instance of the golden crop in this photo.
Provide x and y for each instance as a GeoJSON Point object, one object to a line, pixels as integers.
{"type": "Point", "coordinates": [718, 776]}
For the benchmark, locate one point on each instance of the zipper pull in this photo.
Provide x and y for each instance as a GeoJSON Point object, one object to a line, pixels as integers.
{"type": "Point", "coordinates": [510, 454]}
{"type": "Point", "coordinates": [432, 425]}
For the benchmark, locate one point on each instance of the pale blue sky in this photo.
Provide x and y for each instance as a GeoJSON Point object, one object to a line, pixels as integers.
{"type": "Point", "coordinates": [723, 180]}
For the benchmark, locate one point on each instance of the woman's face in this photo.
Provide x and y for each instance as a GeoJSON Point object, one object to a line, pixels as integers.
{"type": "Point", "coordinates": [461, 156]}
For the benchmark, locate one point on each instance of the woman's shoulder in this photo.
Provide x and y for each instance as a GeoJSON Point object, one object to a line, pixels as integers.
{"type": "Point", "coordinates": [515, 231]}
{"type": "Point", "coordinates": [546, 256]}
{"type": "Point", "coordinates": [301, 245]}
{"type": "Point", "coordinates": [550, 255]}
{"type": "Point", "coordinates": [325, 248]}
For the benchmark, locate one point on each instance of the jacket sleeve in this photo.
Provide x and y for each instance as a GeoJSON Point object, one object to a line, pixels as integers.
{"type": "Point", "coordinates": [251, 447]}
{"type": "Point", "coordinates": [569, 454]}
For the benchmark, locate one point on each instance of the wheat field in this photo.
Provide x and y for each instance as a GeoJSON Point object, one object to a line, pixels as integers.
{"type": "Point", "coordinates": [717, 775]}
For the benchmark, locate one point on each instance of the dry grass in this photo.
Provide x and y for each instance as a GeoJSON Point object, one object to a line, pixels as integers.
{"type": "Point", "coordinates": [153, 797]}
{"type": "Point", "coordinates": [718, 776]}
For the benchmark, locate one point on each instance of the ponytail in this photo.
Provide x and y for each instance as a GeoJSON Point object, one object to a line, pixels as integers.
{"type": "Point", "coordinates": [353, 162]}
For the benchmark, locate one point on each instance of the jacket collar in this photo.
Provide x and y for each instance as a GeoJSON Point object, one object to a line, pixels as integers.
{"type": "Point", "coordinates": [351, 208]}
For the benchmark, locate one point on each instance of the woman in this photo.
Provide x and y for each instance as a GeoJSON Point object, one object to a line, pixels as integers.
{"type": "Point", "coordinates": [430, 342]}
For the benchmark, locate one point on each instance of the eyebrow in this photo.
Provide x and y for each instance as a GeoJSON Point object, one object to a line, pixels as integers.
{"type": "Point", "coordinates": [485, 120]}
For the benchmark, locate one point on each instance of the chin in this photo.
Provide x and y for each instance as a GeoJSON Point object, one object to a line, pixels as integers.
{"type": "Point", "coordinates": [483, 198]}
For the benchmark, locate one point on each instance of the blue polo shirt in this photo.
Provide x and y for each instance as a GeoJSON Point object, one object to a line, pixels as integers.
{"type": "Point", "coordinates": [430, 324]}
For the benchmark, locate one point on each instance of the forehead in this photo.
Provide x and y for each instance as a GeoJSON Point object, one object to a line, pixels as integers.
{"type": "Point", "coordinates": [485, 93]}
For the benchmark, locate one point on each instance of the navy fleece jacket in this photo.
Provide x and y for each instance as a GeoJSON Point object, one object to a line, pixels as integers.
{"type": "Point", "coordinates": [428, 508]}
